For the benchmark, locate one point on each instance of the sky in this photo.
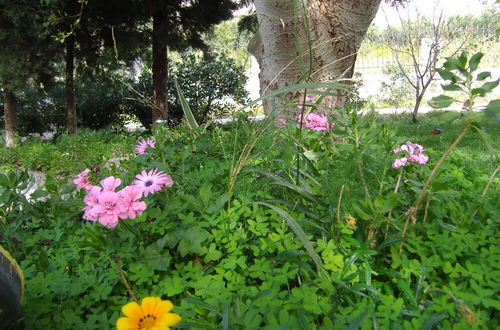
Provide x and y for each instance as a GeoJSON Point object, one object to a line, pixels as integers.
{"type": "Point", "coordinates": [426, 7]}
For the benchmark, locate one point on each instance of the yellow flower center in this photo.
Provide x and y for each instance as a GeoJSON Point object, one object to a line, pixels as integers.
{"type": "Point", "coordinates": [147, 321]}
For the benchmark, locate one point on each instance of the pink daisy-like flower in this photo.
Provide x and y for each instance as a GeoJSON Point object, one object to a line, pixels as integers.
{"type": "Point", "coordinates": [152, 181]}
{"type": "Point", "coordinates": [141, 147]}
{"type": "Point", "coordinates": [82, 180]}
{"type": "Point", "coordinates": [129, 204]}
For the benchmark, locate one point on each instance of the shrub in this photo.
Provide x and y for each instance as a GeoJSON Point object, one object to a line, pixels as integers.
{"type": "Point", "coordinates": [212, 85]}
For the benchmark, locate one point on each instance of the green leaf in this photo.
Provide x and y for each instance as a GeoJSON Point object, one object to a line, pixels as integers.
{"type": "Point", "coordinates": [474, 61]}
{"type": "Point", "coordinates": [303, 323]}
{"type": "Point", "coordinates": [486, 139]}
{"type": "Point", "coordinates": [202, 304]}
{"type": "Point", "coordinates": [451, 87]}
{"type": "Point", "coordinates": [356, 323]}
{"type": "Point", "coordinates": [389, 242]}
{"type": "Point", "coordinates": [39, 193]}
{"type": "Point", "coordinates": [447, 75]}
{"type": "Point", "coordinates": [299, 232]}
{"type": "Point", "coordinates": [441, 101]}
{"type": "Point", "coordinates": [489, 86]}
{"type": "Point", "coordinates": [185, 108]}
{"type": "Point", "coordinates": [405, 289]}
{"type": "Point", "coordinates": [462, 60]}
{"type": "Point", "coordinates": [493, 109]}
{"type": "Point", "coordinates": [483, 75]}
{"type": "Point", "coordinates": [433, 320]}
{"type": "Point", "coordinates": [451, 116]}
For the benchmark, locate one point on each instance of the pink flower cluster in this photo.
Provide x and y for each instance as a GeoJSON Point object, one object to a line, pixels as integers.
{"type": "Point", "coordinates": [414, 154]}
{"type": "Point", "coordinates": [107, 206]}
{"type": "Point", "coordinates": [143, 144]}
{"type": "Point", "coordinates": [314, 122]}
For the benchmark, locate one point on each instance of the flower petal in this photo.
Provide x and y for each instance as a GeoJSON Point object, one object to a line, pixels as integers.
{"type": "Point", "coordinates": [133, 311]}
{"type": "Point", "coordinates": [163, 307]}
{"type": "Point", "coordinates": [172, 319]}
{"type": "Point", "coordinates": [149, 305]}
{"type": "Point", "coordinates": [124, 323]}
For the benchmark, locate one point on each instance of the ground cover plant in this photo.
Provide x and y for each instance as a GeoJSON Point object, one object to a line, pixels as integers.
{"type": "Point", "coordinates": [240, 240]}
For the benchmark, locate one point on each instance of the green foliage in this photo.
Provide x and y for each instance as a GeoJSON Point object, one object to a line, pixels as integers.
{"type": "Point", "coordinates": [461, 76]}
{"type": "Point", "coordinates": [397, 92]}
{"type": "Point", "coordinates": [68, 155]}
{"type": "Point", "coordinates": [212, 86]}
{"type": "Point", "coordinates": [248, 258]}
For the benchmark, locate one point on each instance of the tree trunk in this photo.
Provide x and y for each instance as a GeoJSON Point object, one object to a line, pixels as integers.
{"type": "Point", "coordinates": [160, 69]}
{"type": "Point", "coordinates": [418, 100]}
{"type": "Point", "coordinates": [70, 93]}
{"type": "Point", "coordinates": [336, 29]}
{"type": "Point", "coordinates": [10, 116]}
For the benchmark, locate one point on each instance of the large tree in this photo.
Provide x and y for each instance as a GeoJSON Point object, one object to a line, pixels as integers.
{"type": "Point", "coordinates": [177, 24]}
{"type": "Point", "coordinates": [26, 46]}
{"type": "Point", "coordinates": [313, 39]}
{"type": "Point", "coordinates": [89, 33]}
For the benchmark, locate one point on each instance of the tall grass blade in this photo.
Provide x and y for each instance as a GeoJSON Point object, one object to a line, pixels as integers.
{"type": "Point", "coordinates": [299, 232]}
{"type": "Point", "coordinates": [191, 121]}
{"type": "Point", "coordinates": [356, 323]}
{"type": "Point", "coordinates": [297, 87]}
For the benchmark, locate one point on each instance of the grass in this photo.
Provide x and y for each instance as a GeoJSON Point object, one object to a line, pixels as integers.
{"type": "Point", "coordinates": [69, 154]}
{"type": "Point", "coordinates": [472, 145]}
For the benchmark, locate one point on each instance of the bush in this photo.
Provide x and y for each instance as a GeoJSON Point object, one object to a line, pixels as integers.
{"type": "Point", "coordinates": [212, 85]}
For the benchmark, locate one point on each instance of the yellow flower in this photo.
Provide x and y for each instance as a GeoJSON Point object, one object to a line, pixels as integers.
{"type": "Point", "coordinates": [152, 314]}
{"type": "Point", "coordinates": [351, 222]}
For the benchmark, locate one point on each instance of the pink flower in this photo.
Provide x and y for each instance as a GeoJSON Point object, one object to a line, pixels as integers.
{"type": "Point", "coordinates": [82, 180]}
{"type": "Point", "coordinates": [110, 183]}
{"type": "Point", "coordinates": [141, 147]}
{"type": "Point", "coordinates": [315, 122]}
{"type": "Point", "coordinates": [414, 154]}
{"type": "Point", "coordinates": [108, 208]}
{"type": "Point", "coordinates": [399, 162]}
{"type": "Point", "coordinates": [152, 181]}
{"type": "Point", "coordinates": [421, 159]}
{"type": "Point", "coordinates": [91, 199]}
{"type": "Point", "coordinates": [280, 122]}
{"type": "Point", "coordinates": [128, 202]}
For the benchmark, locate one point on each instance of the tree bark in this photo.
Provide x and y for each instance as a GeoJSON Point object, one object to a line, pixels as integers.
{"type": "Point", "coordinates": [418, 100]}
{"type": "Point", "coordinates": [70, 93]}
{"type": "Point", "coordinates": [336, 29]}
{"type": "Point", "coordinates": [160, 68]}
{"type": "Point", "coordinates": [10, 117]}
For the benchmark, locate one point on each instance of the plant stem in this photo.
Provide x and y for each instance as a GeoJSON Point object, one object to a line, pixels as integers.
{"type": "Point", "coordinates": [124, 279]}
{"type": "Point", "coordinates": [338, 209]}
{"type": "Point", "coordinates": [439, 163]}
{"type": "Point", "coordinates": [412, 212]}
{"type": "Point", "coordinates": [487, 187]}
{"type": "Point", "coordinates": [395, 191]}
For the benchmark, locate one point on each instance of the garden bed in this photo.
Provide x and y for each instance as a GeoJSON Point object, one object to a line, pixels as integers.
{"type": "Point", "coordinates": [244, 240]}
